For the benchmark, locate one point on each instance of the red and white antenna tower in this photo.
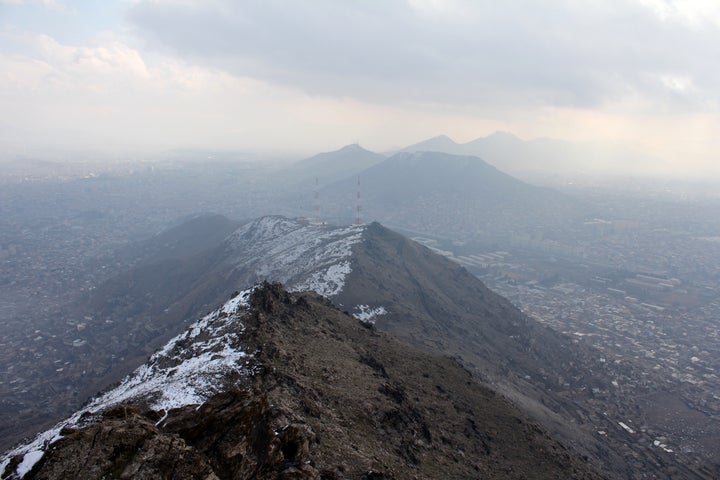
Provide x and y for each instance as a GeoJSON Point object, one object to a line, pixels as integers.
{"type": "Point", "coordinates": [316, 201]}
{"type": "Point", "coordinates": [358, 220]}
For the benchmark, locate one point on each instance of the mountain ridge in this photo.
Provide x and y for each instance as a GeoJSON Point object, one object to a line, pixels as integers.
{"type": "Point", "coordinates": [325, 398]}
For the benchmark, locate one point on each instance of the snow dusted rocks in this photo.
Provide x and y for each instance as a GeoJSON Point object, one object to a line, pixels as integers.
{"type": "Point", "coordinates": [188, 370]}
{"type": "Point", "coordinates": [190, 366]}
{"type": "Point", "coordinates": [367, 314]}
{"type": "Point", "coordinates": [300, 255]}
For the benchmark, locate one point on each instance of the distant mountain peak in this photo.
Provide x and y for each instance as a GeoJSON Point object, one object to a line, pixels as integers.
{"type": "Point", "coordinates": [441, 138]}
{"type": "Point", "coordinates": [328, 167]}
{"type": "Point", "coordinates": [353, 147]}
{"type": "Point", "coordinates": [437, 143]}
{"type": "Point", "coordinates": [501, 134]}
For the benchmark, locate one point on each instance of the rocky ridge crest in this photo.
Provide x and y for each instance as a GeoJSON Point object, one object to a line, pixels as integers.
{"type": "Point", "coordinates": [328, 397]}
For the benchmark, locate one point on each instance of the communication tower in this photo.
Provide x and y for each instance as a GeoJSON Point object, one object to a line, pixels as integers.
{"type": "Point", "coordinates": [358, 220]}
{"type": "Point", "coordinates": [316, 201]}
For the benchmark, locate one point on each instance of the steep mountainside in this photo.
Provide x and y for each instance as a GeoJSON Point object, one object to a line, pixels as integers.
{"type": "Point", "coordinates": [445, 194]}
{"type": "Point", "coordinates": [285, 387]}
{"type": "Point", "coordinates": [432, 303]}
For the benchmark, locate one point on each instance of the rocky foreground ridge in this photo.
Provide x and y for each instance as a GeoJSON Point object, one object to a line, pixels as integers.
{"type": "Point", "coordinates": [311, 392]}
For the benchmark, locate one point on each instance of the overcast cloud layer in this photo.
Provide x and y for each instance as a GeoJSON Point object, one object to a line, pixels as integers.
{"type": "Point", "coordinates": [311, 75]}
{"type": "Point", "coordinates": [509, 54]}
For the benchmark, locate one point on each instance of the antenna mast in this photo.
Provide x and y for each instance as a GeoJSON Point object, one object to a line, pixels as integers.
{"type": "Point", "coordinates": [316, 200]}
{"type": "Point", "coordinates": [358, 220]}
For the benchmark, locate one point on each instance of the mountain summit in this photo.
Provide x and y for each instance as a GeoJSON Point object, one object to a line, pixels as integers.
{"type": "Point", "coordinates": [440, 143]}
{"type": "Point", "coordinates": [329, 167]}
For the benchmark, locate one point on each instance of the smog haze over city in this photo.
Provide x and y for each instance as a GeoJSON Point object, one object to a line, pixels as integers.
{"type": "Point", "coordinates": [159, 156]}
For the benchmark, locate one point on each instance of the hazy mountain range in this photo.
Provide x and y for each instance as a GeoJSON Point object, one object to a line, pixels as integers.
{"type": "Point", "coordinates": [545, 159]}
{"type": "Point", "coordinates": [455, 194]}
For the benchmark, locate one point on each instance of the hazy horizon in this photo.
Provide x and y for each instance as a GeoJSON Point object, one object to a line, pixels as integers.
{"type": "Point", "coordinates": [138, 77]}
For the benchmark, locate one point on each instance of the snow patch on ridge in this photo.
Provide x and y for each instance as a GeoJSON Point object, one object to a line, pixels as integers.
{"type": "Point", "coordinates": [368, 314]}
{"type": "Point", "coordinates": [28, 462]}
{"type": "Point", "coordinates": [328, 282]}
{"type": "Point", "coordinates": [186, 371]}
{"type": "Point", "coordinates": [302, 256]}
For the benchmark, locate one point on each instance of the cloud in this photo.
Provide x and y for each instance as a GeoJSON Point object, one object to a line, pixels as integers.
{"type": "Point", "coordinates": [107, 97]}
{"type": "Point", "coordinates": [51, 65]}
{"type": "Point", "coordinates": [111, 97]}
{"type": "Point", "coordinates": [51, 4]}
{"type": "Point", "coordinates": [490, 54]}
{"type": "Point", "coordinates": [695, 14]}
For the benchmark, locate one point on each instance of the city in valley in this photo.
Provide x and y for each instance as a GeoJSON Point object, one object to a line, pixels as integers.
{"type": "Point", "coordinates": [641, 288]}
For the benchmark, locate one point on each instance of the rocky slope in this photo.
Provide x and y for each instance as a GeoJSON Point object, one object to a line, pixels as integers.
{"type": "Point", "coordinates": [319, 395]}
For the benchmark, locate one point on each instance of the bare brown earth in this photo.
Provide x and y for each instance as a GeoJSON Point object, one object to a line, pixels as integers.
{"type": "Point", "coordinates": [330, 399]}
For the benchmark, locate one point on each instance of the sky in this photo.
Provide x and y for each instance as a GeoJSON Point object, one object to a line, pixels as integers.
{"type": "Point", "coordinates": [296, 77]}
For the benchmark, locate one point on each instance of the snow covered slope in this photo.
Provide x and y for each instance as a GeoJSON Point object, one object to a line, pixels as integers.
{"type": "Point", "coordinates": [188, 370]}
{"type": "Point", "coordinates": [301, 255]}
